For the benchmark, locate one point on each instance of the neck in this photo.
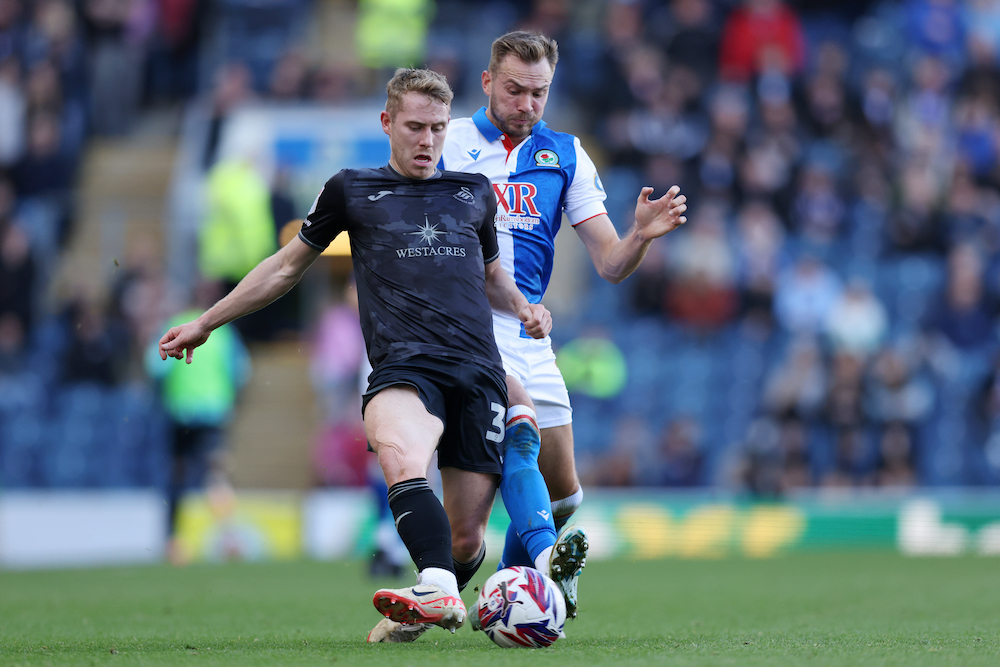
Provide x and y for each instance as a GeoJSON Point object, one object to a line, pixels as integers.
{"type": "Point", "coordinates": [395, 167]}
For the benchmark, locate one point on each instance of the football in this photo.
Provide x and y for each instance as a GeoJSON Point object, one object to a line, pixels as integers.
{"type": "Point", "coordinates": [521, 607]}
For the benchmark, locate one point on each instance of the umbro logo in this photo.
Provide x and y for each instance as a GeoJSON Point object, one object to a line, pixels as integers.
{"type": "Point", "coordinates": [381, 193]}
{"type": "Point", "coordinates": [475, 153]}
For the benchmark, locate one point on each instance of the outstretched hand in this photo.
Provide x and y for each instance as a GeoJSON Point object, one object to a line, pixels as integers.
{"type": "Point", "coordinates": [181, 339]}
{"type": "Point", "coordinates": [656, 217]}
{"type": "Point", "coordinates": [537, 320]}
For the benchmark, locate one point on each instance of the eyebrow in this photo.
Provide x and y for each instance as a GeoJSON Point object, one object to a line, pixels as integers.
{"type": "Point", "coordinates": [423, 123]}
{"type": "Point", "coordinates": [518, 84]}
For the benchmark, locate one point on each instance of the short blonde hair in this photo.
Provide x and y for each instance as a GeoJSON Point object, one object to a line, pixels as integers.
{"type": "Point", "coordinates": [424, 81]}
{"type": "Point", "coordinates": [528, 47]}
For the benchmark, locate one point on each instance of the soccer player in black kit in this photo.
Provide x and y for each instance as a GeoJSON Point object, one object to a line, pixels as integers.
{"type": "Point", "coordinates": [424, 250]}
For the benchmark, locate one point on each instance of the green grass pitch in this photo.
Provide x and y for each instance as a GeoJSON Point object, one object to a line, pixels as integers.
{"type": "Point", "coordinates": [808, 609]}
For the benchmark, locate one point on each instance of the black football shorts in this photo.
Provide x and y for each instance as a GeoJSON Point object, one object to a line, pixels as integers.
{"type": "Point", "coordinates": [470, 399]}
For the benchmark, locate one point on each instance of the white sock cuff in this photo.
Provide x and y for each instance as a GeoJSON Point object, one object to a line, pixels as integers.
{"type": "Point", "coordinates": [441, 578]}
{"type": "Point", "coordinates": [542, 562]}
{"type": "Point", "coordinates": [517, 413]}
{"type": "Point", "coordinates": [566, 506]}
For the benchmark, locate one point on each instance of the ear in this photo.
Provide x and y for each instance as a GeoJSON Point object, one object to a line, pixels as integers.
{"type": "Point", "coordinates": [487, 82]}
{"type": "Point", "coordinates": [386, 122]}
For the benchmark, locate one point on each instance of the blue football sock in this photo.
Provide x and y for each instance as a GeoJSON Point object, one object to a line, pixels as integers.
{"type": "Point", "coordinates": [514, 552]}
{"type": "Point", "coordinates": [523, 490]}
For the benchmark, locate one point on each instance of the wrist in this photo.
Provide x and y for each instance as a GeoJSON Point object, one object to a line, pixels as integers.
{"type": "Point", "coordinates": [638, 234]}
{"type": "Point", "coordinates": [205, 322]}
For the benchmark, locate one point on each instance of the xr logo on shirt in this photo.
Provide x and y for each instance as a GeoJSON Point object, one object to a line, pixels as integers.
{"type": "Point", "coordinates": [517, 198]}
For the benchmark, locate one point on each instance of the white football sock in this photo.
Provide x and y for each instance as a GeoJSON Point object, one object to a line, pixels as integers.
{"type": "Point", "coordinates": [441, 578]}
{"type": "Point", "coordinates": [542, 562]}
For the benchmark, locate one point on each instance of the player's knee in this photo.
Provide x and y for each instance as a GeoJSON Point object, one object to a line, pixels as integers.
{"type": "Point", "coordinates": [399, 463]}
{"type": "Point", "coordinates": [466, 544]}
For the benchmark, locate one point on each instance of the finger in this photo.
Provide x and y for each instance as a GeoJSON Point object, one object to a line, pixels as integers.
{"type": "Point", "coordinates": [190, 354]}
{"type": "Point", "coordinates": [165, 345]}
{"type": "Point", "coordinates": [681, 199]}
{"type": "Point", "coordinates": [644, 194]}
{"type": "Point", "coordinates": [673, 191]}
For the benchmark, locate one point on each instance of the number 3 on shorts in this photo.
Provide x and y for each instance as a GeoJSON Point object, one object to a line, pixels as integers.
{"type": "Point", "coordinates": [496, 436]}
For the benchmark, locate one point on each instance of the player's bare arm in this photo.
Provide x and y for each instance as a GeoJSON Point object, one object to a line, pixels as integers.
{"type": "Point", "coordinates": [504, 295]}
{"type": "Point", "coordinates": [269, 280]}
{"type": "Point", "coordinates": [616, 258]}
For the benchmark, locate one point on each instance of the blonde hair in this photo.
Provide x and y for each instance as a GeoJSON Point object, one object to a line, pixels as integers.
{"type": "Point", "coordinates": [528, 47]}
{"type": "Point", "coordinates": [424, 81]}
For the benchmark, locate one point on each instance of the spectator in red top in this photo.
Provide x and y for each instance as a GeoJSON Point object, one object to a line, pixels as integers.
{"type": "Point", "coordinates": [760, 36]}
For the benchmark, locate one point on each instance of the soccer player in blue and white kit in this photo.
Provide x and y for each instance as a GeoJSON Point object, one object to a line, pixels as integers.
{"type": "Point", "coordinates": [538, 175]}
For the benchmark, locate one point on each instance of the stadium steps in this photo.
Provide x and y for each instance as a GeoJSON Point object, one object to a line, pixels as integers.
{"type": "Point", "coordinates": [273, 433]}
{"type": "Point", "coordinates": [120, 203]}
{"type": "Point", "coordinates": [331, 32]}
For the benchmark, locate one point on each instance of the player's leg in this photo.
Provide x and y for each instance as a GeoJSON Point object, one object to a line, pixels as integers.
{"type": "Point", "coordinates": [390, 553]}
{"type": "Point", "coordinates": [558, 466]}
{"type": "Point", "coordinates": [570, 554]}
{"type": "Point", "coordinates": [403, 435]}
{"type": "Point", "coordinates": [531, 533]}
{"type": "Point", "coordinates": [469, 456]}
{"type": "Point", "coordinates": [468, 501]}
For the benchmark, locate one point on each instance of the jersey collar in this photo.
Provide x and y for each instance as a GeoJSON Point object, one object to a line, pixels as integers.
{"type": "Point", "coordinates": [491, 131]}
{"type": "Point", "coordinates": [406, 179]}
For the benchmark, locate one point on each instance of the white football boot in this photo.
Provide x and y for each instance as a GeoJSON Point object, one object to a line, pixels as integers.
{"type": "Point", "coordinates": [568, 557]}
{"type": "Point", "coordinates": [391, 632]}
{"type": "Point", "coordinates": [421, 603]}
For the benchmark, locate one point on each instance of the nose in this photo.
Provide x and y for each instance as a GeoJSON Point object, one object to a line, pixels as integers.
{"type": "Point", "coordinates": [426, 137]}
{"type": "Point", "coordinates": [524, 101]}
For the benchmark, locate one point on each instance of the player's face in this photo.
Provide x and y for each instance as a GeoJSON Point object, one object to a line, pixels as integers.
{"type": "Point", "coordinates": [416, 135]}
{"type": "Point", "coordinates": [518, 92]}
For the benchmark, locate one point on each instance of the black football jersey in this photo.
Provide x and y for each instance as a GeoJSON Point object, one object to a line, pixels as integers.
{"type": "Point", "coordinates": [419, 249]}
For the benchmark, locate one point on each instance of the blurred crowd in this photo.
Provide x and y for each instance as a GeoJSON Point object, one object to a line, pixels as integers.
{"type": "Point", "coordinates": [841, 161]}
{"type": "Point", "coordinates": [827, 317]}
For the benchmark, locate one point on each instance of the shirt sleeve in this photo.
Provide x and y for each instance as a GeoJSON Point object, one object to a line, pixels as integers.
{"type": "Point", "coordinates": [585, 195]}
{"type": "Point", "coordinates": [487, 230]}
{"type": "Point", "coordinates": [328, 215]}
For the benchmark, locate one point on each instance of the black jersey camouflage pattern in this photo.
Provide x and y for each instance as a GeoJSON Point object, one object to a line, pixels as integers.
{"type": "Point", "coordinates": [419, 249]}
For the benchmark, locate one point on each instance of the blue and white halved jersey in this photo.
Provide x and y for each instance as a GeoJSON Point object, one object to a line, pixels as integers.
{"type": "Point", "coordinates": [535, 182]}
